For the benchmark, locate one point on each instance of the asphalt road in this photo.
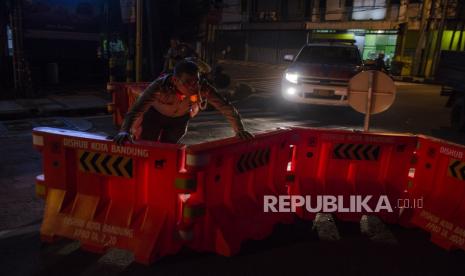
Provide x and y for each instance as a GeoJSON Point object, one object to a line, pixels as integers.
{"type": "Point", "coordinates": [302, 247]}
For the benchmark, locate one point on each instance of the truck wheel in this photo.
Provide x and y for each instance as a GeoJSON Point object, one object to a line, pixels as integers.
{"type": "Point", "coordinates": [457, 116]}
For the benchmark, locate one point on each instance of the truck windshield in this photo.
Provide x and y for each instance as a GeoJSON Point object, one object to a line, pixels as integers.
{"type": "Point", "coordinates": [329, 55]}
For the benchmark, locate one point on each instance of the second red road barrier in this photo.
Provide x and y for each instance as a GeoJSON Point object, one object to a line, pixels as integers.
{"type": "Point", "coordinates": [232, 178]}
{"type": "Point", "coordinates": [345, 164]}
{"type": "Point", "coordinates": [438, 192]}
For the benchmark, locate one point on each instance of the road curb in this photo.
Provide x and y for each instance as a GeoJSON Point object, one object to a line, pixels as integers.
{"type": "Point", "coordinates": [415, 79]}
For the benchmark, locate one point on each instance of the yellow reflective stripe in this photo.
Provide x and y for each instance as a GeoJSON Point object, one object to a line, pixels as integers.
{"type": "Point", "coordinates": [99, 164]}
{"type": "Point", "coordinates": [105, 164]}
{"type": "Point", "coordinates": [122, 167]}
{"type": "Point", "coordinates": [185, 183]}
{"type": "Point", "coordinates": [191, 212]}
{"type": "Point", "coordinates": [40, 190]}
{"type": "Point", "coordinates": [80, 154]}
{"type": "Point", "coordinates": [110, 165]}
{"type": "Point", "coordinates": [89, 162]}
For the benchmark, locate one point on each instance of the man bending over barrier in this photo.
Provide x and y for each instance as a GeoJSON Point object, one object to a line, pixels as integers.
{"type": "Point", "coordinates": [164, 109]}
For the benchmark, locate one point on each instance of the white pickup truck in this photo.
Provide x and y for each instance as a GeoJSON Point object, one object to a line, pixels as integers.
{"type": "Point", "coordinates": [321, 71]}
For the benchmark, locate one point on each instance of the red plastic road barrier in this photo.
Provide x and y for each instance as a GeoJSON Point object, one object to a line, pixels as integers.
{"type": "Point", "coordinates": [119, 105]}
{"type": "Point", "coordinates": [232, 177]}
{"type": "Point", "coordinates": [106, 195]}
{"type": "Point", "coordinates": [123, 96]}
{"type": "Point", "coordinates": [343, 163]}
{"type": "Point", "coordinates": [152, 198]}
{"type": "Point", "coordinates": [438, 192]}
{"type": "Point", "coordinates": [134, 91]}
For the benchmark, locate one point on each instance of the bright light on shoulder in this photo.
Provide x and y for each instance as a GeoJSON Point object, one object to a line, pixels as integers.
{"type": "Point", "coordinates": [292, 77]}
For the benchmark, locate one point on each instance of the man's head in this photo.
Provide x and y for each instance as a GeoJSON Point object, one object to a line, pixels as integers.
{"type": "Point", "coordinates": [186, 77]}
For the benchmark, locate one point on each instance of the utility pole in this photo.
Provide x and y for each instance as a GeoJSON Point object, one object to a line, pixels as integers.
{"type": "Point", "coordinates": [131, 20]}
{"type": "Point", "coordinates": [14, 31]}
{"type": "Point", "coordinates": [437, 49]}
{"type": "Point", "coordinates": [424, 25]}
{"type": "Point", "coordinates": [388, 10]}
{"type": "Point", "coordinates": [462, 18]}
{"type": "Point", "coordinates": [432, 25]}
{"type": "Point", "coordinates": [21, 73]}
{"type": "Point", "coordinates": [149, 37]}
{"type": "Point", "coordinates": [4, 76]}
{"type": "Point", "coordinates": [139, 13]}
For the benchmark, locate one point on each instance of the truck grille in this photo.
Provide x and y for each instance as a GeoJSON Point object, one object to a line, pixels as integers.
{"type": "Point", "coordinates": [317, 96]}
{"type": "Point", "coordinates": [331, 82]}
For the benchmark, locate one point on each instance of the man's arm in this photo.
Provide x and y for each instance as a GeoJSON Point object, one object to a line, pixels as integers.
{"type": "Point", "coordinates": [228, 110]}
{"type": "Point", "coordinates": [148, 96]}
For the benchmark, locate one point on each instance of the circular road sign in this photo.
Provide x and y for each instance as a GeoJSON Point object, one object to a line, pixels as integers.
{"type": "Point", "coordinates": [383, 91]}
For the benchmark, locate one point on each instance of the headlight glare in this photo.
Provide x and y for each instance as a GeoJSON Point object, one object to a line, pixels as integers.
{"type": "Point", "coordinates": [292, 77]}
{"type": "Point", "coordinates": [291, 91]}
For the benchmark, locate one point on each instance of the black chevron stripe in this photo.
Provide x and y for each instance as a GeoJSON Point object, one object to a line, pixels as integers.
{"type": "Point", "coordinates": [248, 164]}
{"type": "Point", "coordinates": [337, 151]}
{"type": "Point", "coordinates": [93, 162]}
{"type": "Point", "coordinates": [82, 160]}
{"type": "Point", "coordinates": [376, 152]}
{"type": "Point", "coordinates": [347, 151]}
{"type": "Point", "coordinates": [259, 158]}
{"type": "Point", "coordinates": [116, 165]}
{"type": "Point", "coordinates": [105, 164]}
{"type": "Point", "coordinates": [357, 151]}
{"type": "Point", "coordinates": [252, 163]}
{"type": "Point", "coordinates": [366, 155]}
{"type": "Point", "coordinates": [462, 172]}
{"type": "Point", "coordinates": [267, 155]}
{"type": "Point", "coordinates": [262, 161]}
{"type": "Point", "coordinates": [244, 162]}
{"type": "Point", "coordinates": [239, 164]}
{"type": "Point", "coordinates": [452, 168]}
{"type": "Point", "coordinates": [128, 167]}
{"type": "Point", "coordinates": [253, 159]}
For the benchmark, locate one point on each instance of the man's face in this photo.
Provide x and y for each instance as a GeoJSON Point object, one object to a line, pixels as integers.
{"type": "Point", "coordinates": [187, 84]}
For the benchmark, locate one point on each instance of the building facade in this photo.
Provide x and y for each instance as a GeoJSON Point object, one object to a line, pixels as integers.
{"type": "Point", "coordinates": [266, 30]}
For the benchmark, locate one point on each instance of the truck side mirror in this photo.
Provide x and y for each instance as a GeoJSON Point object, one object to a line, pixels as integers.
{"type": "Point", "coordinates": [289, 58]}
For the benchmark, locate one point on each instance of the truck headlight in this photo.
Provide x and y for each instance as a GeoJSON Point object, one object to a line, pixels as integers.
{"type": "Point", "coordinates": [292, 77]}
{"type": "Point", "coordinates": [291, 91]}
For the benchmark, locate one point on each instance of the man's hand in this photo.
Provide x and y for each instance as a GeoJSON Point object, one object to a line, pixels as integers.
{"type": "Point", "coordinates": [122, 137]}
{"type": "Point", "coordinates": [244, 135]}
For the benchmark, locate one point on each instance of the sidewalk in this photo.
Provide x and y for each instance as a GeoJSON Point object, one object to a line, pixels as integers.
{"type": "Point", "coordinates": [63, 104]}
{"type": "Point", "coordinates": [414, 79]}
